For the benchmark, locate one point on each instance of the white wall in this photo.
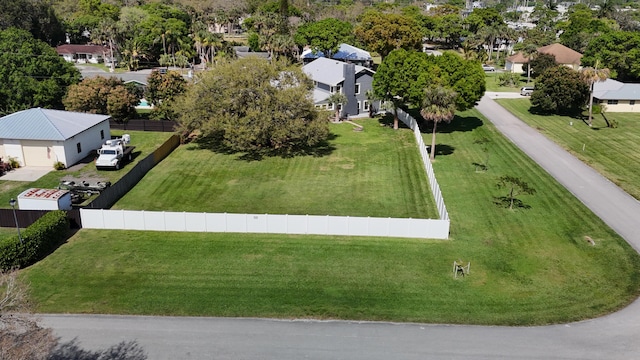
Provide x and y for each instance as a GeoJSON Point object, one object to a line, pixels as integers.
{"type": "Point", "coordinates": [13, 149]}
{"type": "Point", "coordinates": [89, 139]}
{"type": "Point", "coordinates": [264, 223]}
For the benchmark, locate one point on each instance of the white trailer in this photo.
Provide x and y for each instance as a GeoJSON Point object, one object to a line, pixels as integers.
{"type": "Point", "coordinates": [44, 199]}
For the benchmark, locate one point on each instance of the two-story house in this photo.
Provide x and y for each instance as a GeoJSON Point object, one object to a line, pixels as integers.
{"type": "Point", "coordinates": [332, 76]}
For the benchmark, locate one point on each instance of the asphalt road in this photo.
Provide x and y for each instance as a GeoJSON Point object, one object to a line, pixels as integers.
{"type": "Point", "coordinates": [616, 336]}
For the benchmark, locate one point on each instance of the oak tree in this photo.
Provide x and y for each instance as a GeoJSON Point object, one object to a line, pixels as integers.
{"type": "Point", "coordinates": [252, 105]}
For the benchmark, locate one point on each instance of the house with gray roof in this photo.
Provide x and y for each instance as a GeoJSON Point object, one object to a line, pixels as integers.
{"type": "Point", "coordinates": [42, 137]}
{"type": "Point", "coordinates": [617, 96]}
{"type": "Point", "coordinates": [333, 76]}
{"type": "Point", "coordinates": [346, 53]}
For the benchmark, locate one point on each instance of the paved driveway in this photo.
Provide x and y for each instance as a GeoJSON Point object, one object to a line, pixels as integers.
{"type": "Point", "coordinates": [27, 173]}
{"type": "Point", "coordinates": [616, 336]}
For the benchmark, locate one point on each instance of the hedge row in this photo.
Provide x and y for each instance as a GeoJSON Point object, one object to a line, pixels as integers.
{"type": "Point", "coordinates": [38, 240]}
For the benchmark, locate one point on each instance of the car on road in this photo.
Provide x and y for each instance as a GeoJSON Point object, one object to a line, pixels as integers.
{"type": "Point", "coordinates": [526, 90]}
{"type": "Point", "coordinates": [486, 67]}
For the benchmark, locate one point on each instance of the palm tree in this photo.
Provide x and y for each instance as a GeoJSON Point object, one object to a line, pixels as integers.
{"type": "Point", "coordinates": [337, 99]}
{"type": "Point", "coordinates": [439, 105]}
{"type": "Point", "coordinates": [591, 76]}
{"type": "Point", "coordinates": [529, 51]}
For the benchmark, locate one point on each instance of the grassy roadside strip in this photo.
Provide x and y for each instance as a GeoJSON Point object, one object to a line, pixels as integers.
{"type": "Point", "coordinates": [613, 152]}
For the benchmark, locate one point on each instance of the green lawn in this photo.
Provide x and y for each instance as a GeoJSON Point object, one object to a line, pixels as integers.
{"type": "Point", "coordinates": [614, 152]}
{"type": "Point", "coordinates": [145, 143]}
{"type": "Point", "coordinates": [493, 85]}
{"type": "Point", "coordinates": [528, 266]}
{"type": "Point", "coordinates": [376, 172]}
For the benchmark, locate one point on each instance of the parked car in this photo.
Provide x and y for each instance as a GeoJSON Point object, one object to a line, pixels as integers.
{"type": "Point", "coordinates": [526, 90]}
{"type": "Point", "coordinates": [486, 67]}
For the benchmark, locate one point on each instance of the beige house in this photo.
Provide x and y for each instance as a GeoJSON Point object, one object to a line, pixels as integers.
{"type": "Point", "coordinates": [42, 137]}
{"type": "Point", "coordinates": [617, 96]}
{"type": "Point", "coordinates": [564, 56]}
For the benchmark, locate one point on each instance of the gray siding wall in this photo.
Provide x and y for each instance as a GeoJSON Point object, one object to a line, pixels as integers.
{"type": "Point", "coordinates": [349, 88]}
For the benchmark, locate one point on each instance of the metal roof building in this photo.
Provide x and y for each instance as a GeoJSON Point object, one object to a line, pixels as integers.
{"type": "Point", "coordinates": [42, 137]}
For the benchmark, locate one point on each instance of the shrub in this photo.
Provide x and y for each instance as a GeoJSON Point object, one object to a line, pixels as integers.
{"type": "Point", "coordinates": [509, 79]}
{"type": "Point", "coordinates": [58, 165]}
{"type": "Point", "coordinates": [596, 109]}
{"type": "Point", "coordinates": [14, 162]}
{"type": "Point", "coordinates": [38, 240]}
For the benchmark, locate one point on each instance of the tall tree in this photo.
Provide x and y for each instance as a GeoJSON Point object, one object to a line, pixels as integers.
{"type": "Point", "coordinates": [591, 76]}
{"type": "Point", "coordinates": [383, 33]}
{"type": "Point", "coordinates": [324, 35]}
{"type": "Point", "coordinates": [529, 51]}
{"type": "Point", "coordinates": [439, 105]}
{"type": "Point", "coordinates": [253, 105]}
{"type": "Point", "coordinates": [101, 95]}
{"type": "Point", "coordinates": [32, 74]}
{"type": "Point", "coordinates": [560, 90]}
{"type": "Point", "coordinates": [161, 91]}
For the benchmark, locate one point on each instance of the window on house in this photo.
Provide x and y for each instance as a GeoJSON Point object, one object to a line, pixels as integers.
{"type": "Point", "coordinates": [101, 134]}
{"type": "Point", "coordinates": [359, 106]}
{"type": "Point", "coordinates": [330, 106]}
{"type": "Point", "coordinates": [357, 88]}
{"type": "Point", "coordinates": [332, 89]}
{"type": "Point", "coordinates": [612, 102]}
{"type": "Point", "coordinates": [632, 102]}
{"type": "Point", "coordinates": [365, 105]}
{"type": "Point", "coordinates": [79, 147]}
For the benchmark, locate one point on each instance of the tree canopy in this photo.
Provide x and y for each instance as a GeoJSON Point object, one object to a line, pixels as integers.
{"type": "Point", "coordinates": [325, 35]}
{"type": "Point", "coordinates": [560, 90]}
{"type": "Point", "coordinates": [383, 33]}
{"type": "Point", "coordinates": [32, 74]}
{"type": "Point", "coordinates": [253, 105]}
{"type": "Point", "coordinates": [162, 89]}
{"type": "Point", "coordinates": [101, 95]}
{"type": "Point", "coordinates": [619, 51]}
{"type": "Point", "coordinates": [404, 75]}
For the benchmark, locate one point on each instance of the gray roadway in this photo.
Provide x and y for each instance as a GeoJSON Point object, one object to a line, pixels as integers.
{"type": "Point", "coordinates": [616, 336]}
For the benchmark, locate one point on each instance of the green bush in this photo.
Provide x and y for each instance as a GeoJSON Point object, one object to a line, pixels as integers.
{"type": "Point", "coordinates": [509, 79]}
{"type": "Point", "coordinates": [38, 240]}
{"type": "Point", "coordinates": [596, 109]}
{"type": "Point", "coordinates": [58, 165]}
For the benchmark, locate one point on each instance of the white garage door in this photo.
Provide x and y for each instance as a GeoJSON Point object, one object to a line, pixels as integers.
{"type": "Point", "coordinates": [36, 153]}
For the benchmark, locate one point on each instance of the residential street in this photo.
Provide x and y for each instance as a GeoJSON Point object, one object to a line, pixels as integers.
{"type": "Point", "coordinates": [616, 336]}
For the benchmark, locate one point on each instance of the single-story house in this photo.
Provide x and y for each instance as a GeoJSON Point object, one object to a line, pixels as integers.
{"type": "Point", "coordinates": [42, 137]}
{"type": "Point", "coordinates": [346, 53]}
{"type": "Point", "coordinates": [564, 56]}
{"type": "Point", "coordinates": [617, 96]}
{"type": "Point", "coordinates": [331, 76]}
{"type": "Point", "coordinates": [83, 54]}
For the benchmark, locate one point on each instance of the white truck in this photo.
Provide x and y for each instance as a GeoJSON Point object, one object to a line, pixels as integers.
{"type": "Point", "coordinates": [114, 152]}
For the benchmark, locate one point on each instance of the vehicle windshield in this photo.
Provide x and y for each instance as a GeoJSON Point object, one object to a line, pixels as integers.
{"type": "Point", "coordinates": [108, 152]}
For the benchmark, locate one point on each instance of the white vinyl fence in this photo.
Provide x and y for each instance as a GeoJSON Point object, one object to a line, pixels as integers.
{"type": "Point", "coordinates": [283, 224]}
{"type": "Point", "coordinates": [264, 223]}
{"type": "Point", "coordinates": [435, 188]}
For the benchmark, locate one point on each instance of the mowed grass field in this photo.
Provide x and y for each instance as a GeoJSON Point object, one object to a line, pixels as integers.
{"type": "Point", "coordinates": [145, 143]}
{"type": "Point", "coordinates": [528, 266]}
{"type": "Point", "coordinates": [613, 152]}
{"type": "Point", "coordinates": [375, 172]}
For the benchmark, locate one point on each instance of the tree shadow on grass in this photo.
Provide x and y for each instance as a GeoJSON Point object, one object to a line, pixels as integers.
{"type": "Point", "coordinates": [504, 201]}
{"type": "Point", "coordinates": [443, 150]}
{"type": "Point", "coordinates": [215, 144]}
{"type": "Point", "coordinates": [387, 120]}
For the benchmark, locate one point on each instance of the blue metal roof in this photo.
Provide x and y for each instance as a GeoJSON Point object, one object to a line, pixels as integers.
{"type": "Point", "coordinates": [47, 124]}
{"type": "Point", "coordinates": [615, 90]}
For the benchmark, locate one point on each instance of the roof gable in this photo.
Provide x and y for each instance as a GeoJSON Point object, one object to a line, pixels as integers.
{"type": "Point", "coordinates": [328, 71]}
{"type": "Point", "coordinates": [563, 54]}
{"type": "Point", "coordinates": [81, 49]}
{"type": "Point", "coordinates": [47, 124]}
